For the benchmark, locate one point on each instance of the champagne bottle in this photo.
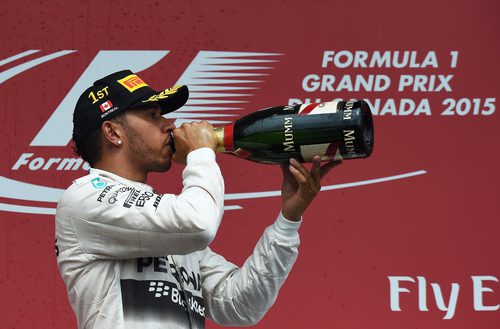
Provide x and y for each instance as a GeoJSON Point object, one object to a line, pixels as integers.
{"type": "Point", "coordinates": [333, 130]}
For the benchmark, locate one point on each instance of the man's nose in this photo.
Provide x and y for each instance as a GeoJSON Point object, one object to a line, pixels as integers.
{"type": "Point", "coordinates": [168, 124]}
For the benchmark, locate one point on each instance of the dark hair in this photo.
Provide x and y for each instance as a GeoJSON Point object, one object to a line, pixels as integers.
{"type": "Point", "coordinates": [89, 149]}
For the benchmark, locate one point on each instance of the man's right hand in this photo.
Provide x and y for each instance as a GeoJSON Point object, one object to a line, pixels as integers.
{"type": "Point", "coordinates": [192, 136]}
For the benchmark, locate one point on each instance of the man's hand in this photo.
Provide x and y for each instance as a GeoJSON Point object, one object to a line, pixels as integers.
{"type": "Point", "coordinates": [191, 136]}
{"type": "Point", "coordinates": [300, 186]}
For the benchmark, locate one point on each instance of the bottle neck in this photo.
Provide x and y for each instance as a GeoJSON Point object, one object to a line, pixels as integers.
{"type": "Point", "coordinates": [219, 135]}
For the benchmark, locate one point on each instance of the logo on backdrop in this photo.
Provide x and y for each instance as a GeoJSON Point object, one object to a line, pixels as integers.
{"type": "Point", "coordinates": [417, 289]}
{"type": "Point", "coordinates": [218, 81]}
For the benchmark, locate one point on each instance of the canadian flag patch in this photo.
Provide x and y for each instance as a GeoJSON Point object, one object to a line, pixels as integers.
{"type": "Point", "coordinates": [106, 106]}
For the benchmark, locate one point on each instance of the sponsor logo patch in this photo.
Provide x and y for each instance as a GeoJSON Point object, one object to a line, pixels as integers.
{"type": "Point", "coordinates": [132, 82]}
{"type": "Point", "coordinates": [96, 183]}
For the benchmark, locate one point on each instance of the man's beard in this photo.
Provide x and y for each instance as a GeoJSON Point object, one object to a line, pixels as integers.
{"type": "Point", "coordinates": [150, 159]}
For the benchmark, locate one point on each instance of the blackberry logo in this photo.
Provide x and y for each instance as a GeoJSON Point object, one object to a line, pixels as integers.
{"type": "Point", "coordinates": [159, 288]}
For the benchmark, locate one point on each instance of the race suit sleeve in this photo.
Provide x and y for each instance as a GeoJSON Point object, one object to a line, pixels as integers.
{"type": "Point", "coordinates": [116, 220]}
{"type": "Point", "coordinates": [241, 296]}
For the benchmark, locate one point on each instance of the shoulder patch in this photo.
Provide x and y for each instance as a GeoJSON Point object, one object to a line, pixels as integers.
{"type": "Point", "coordinates": [97, 183]}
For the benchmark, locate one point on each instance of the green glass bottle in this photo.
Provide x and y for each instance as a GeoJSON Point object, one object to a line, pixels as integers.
{"type": "Point", "coordinates": [333, 130]}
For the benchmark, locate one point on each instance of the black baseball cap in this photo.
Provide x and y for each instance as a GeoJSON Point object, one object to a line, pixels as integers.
{"type": "Point", "coordinates": [116, 93]}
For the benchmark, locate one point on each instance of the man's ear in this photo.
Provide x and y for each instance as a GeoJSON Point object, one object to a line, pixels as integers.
{"type": "Point", "coordinates": [113, 133]}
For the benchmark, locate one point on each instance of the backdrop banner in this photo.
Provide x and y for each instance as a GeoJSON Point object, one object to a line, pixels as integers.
{"type": "Point", "coordinates": [408, 238]}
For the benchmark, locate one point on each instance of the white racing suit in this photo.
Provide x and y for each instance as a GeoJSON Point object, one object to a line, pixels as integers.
{"type": "Point", "coordinates": [132, 258]}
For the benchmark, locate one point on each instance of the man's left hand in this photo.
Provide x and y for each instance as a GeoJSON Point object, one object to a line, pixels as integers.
{"type": "Point", "coordinates": [300, 186]}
